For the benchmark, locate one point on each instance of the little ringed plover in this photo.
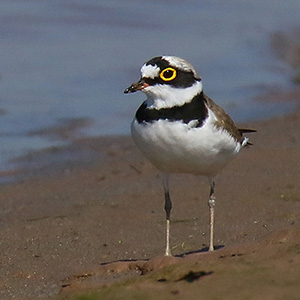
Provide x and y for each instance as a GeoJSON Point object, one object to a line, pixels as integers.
{"type": "Point", "coordinates": [179, 129]}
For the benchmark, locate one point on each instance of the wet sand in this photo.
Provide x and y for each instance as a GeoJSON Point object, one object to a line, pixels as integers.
{"type": "Point", "coordinates": [100, 225]}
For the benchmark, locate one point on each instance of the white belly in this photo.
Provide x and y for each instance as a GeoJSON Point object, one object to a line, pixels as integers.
{"type": "Point", "coordinates": [179, 148]}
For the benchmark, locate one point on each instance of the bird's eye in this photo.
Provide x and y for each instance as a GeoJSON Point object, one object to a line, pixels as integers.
{"type": "Point", "coordinates": [168, 74]}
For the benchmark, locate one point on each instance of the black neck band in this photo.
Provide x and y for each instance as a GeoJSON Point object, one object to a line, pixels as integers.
{"type": "Point", "coordinates": [193, 110]}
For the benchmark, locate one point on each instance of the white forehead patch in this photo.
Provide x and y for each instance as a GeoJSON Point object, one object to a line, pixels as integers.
{"type": "Point", "coordinates": [150, 71]}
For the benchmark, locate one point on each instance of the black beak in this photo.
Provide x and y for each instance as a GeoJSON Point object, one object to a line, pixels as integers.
{"type": "Point", "coordinates": [137, 86]}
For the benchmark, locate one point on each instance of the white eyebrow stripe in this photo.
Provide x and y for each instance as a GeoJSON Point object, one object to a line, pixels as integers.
{"type": "Point", "coordinates": [150, 71]}
{"type": "Point", "coordinates": [181, 64]}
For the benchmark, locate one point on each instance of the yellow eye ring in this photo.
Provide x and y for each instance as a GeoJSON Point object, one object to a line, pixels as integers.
{"type": "Point", "coordinates": [168, 74]}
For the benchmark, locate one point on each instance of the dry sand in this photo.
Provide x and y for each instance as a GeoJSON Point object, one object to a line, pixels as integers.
{"type": "Point", "coordinates": [100, 225]}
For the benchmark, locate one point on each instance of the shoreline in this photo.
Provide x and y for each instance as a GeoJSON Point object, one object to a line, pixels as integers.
{"type": "Point", "coordinates": [55, 159]}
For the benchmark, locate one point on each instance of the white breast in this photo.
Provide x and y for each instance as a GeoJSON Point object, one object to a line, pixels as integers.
{"type": "Point", "coordinates": [178, 147]}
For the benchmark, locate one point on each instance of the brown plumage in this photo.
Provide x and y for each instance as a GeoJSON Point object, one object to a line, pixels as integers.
{"type": "Point", "coordinates": [225, 122]}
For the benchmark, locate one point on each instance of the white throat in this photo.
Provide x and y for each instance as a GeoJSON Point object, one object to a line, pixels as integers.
{"type": "Point", "coordinates": [165, 96]}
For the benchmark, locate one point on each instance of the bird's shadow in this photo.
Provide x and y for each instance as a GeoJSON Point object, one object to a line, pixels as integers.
{"type": "Point", "coordinates": [124, 261]}
{"type": "Point", "coordinates": [205, 249]}
{"type": "Point", "coordinates": [182, 255]}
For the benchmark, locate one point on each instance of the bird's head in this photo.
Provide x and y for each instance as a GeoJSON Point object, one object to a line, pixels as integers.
{"type": "Point", "coordinates": [168, 80]}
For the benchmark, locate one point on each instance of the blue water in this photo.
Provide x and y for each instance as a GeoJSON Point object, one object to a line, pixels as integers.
{"type": "Point", "coordinates": [69, 59]}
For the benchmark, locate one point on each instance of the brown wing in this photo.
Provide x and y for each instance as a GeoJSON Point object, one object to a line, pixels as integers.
{"type": "Point", "coordinates": [223, 119]}
{"type": "Point", "coordinates": [225, 122]}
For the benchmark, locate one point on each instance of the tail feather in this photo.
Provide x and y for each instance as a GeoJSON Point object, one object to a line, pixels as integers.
{"type": "Point", "coordinates": [246, 130]}
{"type": "Point", "coordinates": [245, 141]}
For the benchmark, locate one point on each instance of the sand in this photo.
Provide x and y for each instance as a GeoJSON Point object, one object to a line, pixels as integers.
{"type": "Point", "coordinates": [99, 225]}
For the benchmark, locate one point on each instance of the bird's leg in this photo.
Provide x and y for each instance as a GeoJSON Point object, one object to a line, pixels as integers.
{"type": "Point", "coordinates": [211, 204]}
{"type": "Point", "coordinates": [168, 207]}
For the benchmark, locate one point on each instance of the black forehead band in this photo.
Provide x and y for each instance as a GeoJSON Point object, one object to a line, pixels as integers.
{"type": "Point", "coordinates": [158, 61]}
